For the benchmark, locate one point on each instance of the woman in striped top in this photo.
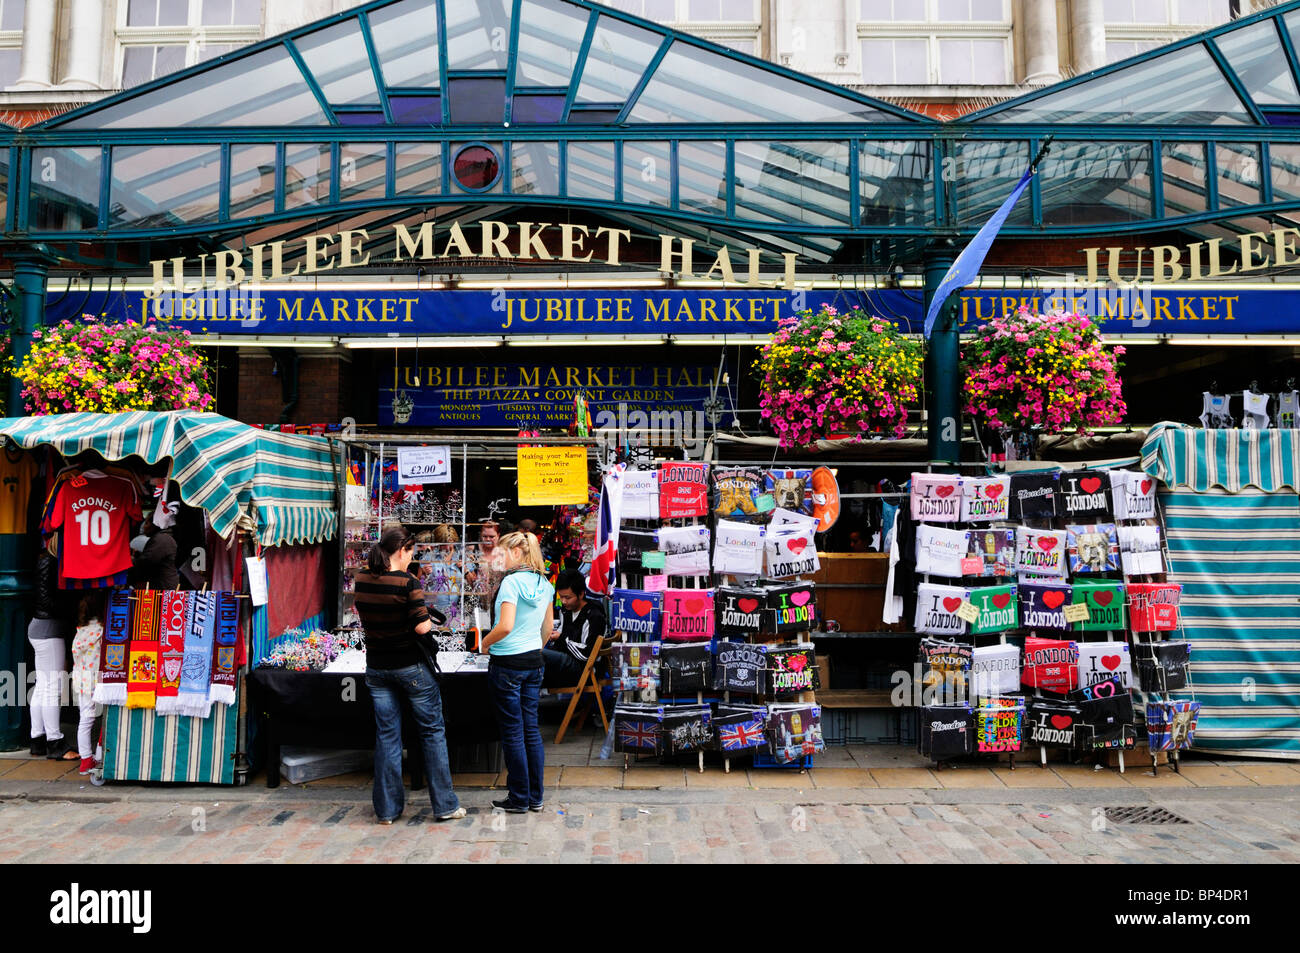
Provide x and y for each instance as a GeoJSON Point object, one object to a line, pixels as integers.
{"type": "Point", "coordinates": [392, 610]}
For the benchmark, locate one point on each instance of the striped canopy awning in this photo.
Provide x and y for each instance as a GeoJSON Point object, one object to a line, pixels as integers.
{"type": "Point", "coordinates": [1232, 460]}
{"type": "Point", "coordinates": [280, 485]}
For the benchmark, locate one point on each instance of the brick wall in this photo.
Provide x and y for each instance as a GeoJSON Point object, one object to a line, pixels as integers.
{"type": "Point", "coordinates": [322, 390]}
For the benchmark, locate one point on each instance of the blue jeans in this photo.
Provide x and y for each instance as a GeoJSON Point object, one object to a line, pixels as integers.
{"type": "Point", "coordinates": [417, 684]}
{"type": "Point", "coordinates": [515, 694]}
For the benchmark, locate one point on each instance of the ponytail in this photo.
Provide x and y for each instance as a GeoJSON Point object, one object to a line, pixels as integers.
{"type": "Point", "coordinates": [390, 544]}
{"type": "Point", "coordinates": [532, 550]}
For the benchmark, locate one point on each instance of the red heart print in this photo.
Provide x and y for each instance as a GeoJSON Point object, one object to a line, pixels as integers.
{"type": "Point", "coordinates": [1000, 601]}
{"type": "Point", "coordinates": [993, 491]}
{"type": "Point", "coordinates": [1061, 722]}
{"type": "Point", "coordinates": [1047, 543]}
{"type": "Point", "coordinates": [951, 603]}
{"type": "Point", "coordinates": [1090, 484]}
{"type": "Point", "coordinates": [801, 597]}
{"type": "Point", "coordinates": [747, 605]}
{"type": "Point", "coordinates": [1146, 487]}
{"type": "Point", "coordinates": [692, 606]}
{"type": "Point", "coordinates": [943, 492]}
{"type": "Point", "coordinates": [797, 545]}
{"type": "Point", "coordinates": [1104, 597]}
{"type": "Point", "coordinates": [1110, 661]}
{"type": "Point", "coordinates": [797, 663]}
{"type": "Point", "coordinates": [642, 607]}
{"type": "Point", "coordinates": [1053, 600]}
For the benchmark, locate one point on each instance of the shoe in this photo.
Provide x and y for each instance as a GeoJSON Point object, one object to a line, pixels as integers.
{"type": "Point", "coordinates": [386, 823]}
{"type": "Point", "coordinates": [56, 750]}
{"type": "Point", "coordinates": [87, 766]}
{"type": "Point", "coordinates": [537, 808]}
{"type": "Point", "coordinates": [455, 815]}
{"type": "Point", "coordinates": [38, 747]}
{"type": "Point", "coordinates": [505, 804]}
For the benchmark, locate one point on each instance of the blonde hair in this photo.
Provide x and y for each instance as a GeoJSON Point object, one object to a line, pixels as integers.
{"type": "Point", "coordinates": [445, 533]}
{"type": "Point", "coordinates": [532, 549]}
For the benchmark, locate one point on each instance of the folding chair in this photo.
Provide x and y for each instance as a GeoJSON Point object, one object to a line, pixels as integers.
{"type": "Point", "coordinates": [588, 684]}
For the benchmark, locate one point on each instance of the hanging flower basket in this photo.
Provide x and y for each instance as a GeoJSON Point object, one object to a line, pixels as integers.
{"type": "Point", "coordinates": [108, 368]}
{"type": "Point", "coordinates": [826, 374]}
{"type": "Point", "coordinates": [1049, 372]}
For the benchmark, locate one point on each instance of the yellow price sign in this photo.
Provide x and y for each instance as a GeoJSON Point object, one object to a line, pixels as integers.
{"type": "Point", "coordinates": [552, 476]}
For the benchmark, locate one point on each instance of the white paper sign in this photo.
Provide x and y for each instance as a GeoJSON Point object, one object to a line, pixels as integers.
{"type": "Point", "coordinates": [423, 465]}
{"type": "Point", "coordinates": [257, 579]}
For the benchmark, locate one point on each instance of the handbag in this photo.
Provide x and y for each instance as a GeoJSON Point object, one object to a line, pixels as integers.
{"type": "Point", "coordinates": [427, 646]}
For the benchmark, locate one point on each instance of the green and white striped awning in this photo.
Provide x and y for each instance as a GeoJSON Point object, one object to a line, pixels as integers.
{"type": "Point", "coordinates": [282, 486]}
{"type": "Point", "coordinates": [1233, 460]}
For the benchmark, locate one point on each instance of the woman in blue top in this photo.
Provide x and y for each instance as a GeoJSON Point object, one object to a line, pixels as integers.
{"type": "Point", "coordinates": [525, 613]}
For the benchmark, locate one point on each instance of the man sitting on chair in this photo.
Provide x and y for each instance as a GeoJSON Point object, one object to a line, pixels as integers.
{"type": "Point", "coordinates": [582, 622]}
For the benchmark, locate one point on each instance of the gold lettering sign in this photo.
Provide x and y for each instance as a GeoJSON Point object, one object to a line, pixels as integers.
{"type": "Point", "coordinates": [1198, 261]}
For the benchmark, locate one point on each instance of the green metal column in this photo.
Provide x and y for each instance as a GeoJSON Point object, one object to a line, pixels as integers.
{"type": "Point", "coordinates": [942, 373]}
{"type": "Point", "coordinates": [17, 557]}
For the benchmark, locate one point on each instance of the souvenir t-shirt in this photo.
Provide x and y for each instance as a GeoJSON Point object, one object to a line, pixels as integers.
{"type": "Point", "coordinates": [992, 552]}
{"type": "Point", "coordinates": [790, 489]}
{"type": "Point", "coordinates": [687, 728]}
{"type": "Point", "coordinates": [1099, 661]}
{"type": "Point", "coordinates": [791, 608]}
{"type": "Point", "coordinates": [1106, 715]}
{"type": "Point", "coordinates": [945, 666]}
{"type": "Point", "coordinates": [635, 612]}
{"type": "Point", "coordinates": [794, 731]}
{"type": "Point", "coordinates": [95, 515]}
{"type": "Point", "coordinates": [1133, 495]}
{"type": "Point", "coordinates": [631, 544]}
{"type": "Point", "coordinates": [995, 670]}
{"type": "Point", "coordinates": [1085, 493]}
{"type": "Point", "coordinates": [735, 493]}
{"type": "Point", "coordinates": [1154, 606]}
{"type": "Point", "coordinates": [1051, 665]}
{"type": "Point", "coordinates": [638, 729]}
{"type": "Point", "coordinates": [999, 724]}
{"type": "Point", "coordinates": [936, 497]}
{"type": "Point", "coordinates": [947, 731]}
{"type": "Point", "coordinates": [1171, 726]}
{"type": "Point", "coordinates": [688, 615]}
{"type": "Point", "coordinates": [1092, 548]}
{"type": "Point", "coordinates": [985, 499]}
{"type": "Point", "coordinates": [1162, 666]}
{"type": "Point", "coordinates": [998, 609]}
{"type": "Point", "coordinates": [1105, 603]}
{"type": "Point", "coordinates": [1288, 410]}
{"type": "Point", "coordinates": [1052, 722]}
{"type": "Point", "coordinates": [1040, 552]}
{"type": "Point", "coordinates": [634, 665]}
{"type": "Point", "coordinates": [940, 551]}
{"type": "Point", "coordinates": [640, 495]}
{"type": "Point", "coordinates": [739, 667]}
{"type": "Point", "coordinates": [791, 551]}
{"type": "Point", "coordinates": [740, 727]}
{"type": "Point", "coordinates": [683, 490]}
{"type": "Point", "coordinates": [17, 471]}
{"type": "Point", "coordinates": [936, 609]}
{"type": "Point", "coordinates": [1139, 550]}
{"type": "Point", "coordinates": [1042, 605]}
{"type": "Point", "coordinates": [685, 667]}
{"type": "Point", "coordinates": [740, 611]}
{"type": "Point", "coordinates": [790, 668]}
{"type": "Point", "coordinates": [1033, 495]}
{"type": "Point", "coordinates": [738, 549]}
{"type": "Point", "coordinates": [686, 550]}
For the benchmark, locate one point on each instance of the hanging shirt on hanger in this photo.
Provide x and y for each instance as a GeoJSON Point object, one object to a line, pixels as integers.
{"type": "Point", "coordinates": [1214, 411]}
{"type": "Point", "coordinates": [18, 469]}
{"type": "Point", "coordinates": [1254, 411]}
{"type": "Point", "coordinates": [95, 515]}
{"type": "Point", "coordinates": [1288, 410]}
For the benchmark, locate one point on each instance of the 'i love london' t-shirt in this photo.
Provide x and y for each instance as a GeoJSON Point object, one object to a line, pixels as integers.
{"type": "Point", "coordinates": [1133, 495]}
{"type": "Point", "coordinates": [984, 500]}
{"type": "Point", "coordinates": [999, 610]}
{"type": "Point", "coordinates": [936, 497]}
{"type": "Point", "coordinates": [936, 609]}
{"type": "Point", "coordinates": [1042, 606]}
{"type": "Point", "coordinates": [1040, 552]}
{"type": "Point", "coordinates": [1085, 493]}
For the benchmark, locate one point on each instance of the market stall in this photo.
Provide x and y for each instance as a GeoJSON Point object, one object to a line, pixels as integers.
{"type": "Point", "coordinates": [171, 712]}
{"type": "Point", "coordinates": [1233, 523]}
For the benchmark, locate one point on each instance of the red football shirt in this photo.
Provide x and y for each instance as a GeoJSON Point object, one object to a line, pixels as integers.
{"type": "Point", "coordinates": [95, 515]}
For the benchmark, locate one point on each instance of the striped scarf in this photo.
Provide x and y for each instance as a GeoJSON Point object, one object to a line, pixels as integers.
{"type": "Point", "coordinates": [223, 659]}
{"type": "Point", "coordinates": [142, 671]}
{"type": "Point", "coordinates": [196, 666]}
{"type": "Point", "coordinates": [111, 689]}
{"type": "Point", "coordinates": [175, 607]}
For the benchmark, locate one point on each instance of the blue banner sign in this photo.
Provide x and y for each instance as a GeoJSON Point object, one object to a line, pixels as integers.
{"type": "Point", "coordinates": [1189, 309]}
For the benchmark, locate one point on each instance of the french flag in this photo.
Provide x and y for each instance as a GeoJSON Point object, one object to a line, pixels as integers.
{"type": "Point", "coordinates": [600, 579]}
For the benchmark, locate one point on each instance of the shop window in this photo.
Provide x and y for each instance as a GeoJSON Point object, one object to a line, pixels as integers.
{"type": "Point", "coordinates": [1135, 26]}
{"type": "Point", "coordinates": [140, 64]}
{"type": "Point", "coordinates": [964, 42]}
{"type": "Point", "coordinates": [232, 12]}
{"type": "Point", "coordinates": [158, 37]}
{"type": "Point", "coordinates": [157, 12]}
{"type": "Point", "coordinates": [896, 62]}
{"type": "Point", "coordinates": [973, 62]}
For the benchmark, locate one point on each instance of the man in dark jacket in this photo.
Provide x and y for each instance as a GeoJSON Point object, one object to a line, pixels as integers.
{"type": "Point", "coordinates": [155, 565]}
{"type": "Point", "coordinates": [582, 621]}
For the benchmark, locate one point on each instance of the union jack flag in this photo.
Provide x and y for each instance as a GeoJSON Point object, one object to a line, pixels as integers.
{"type": "Point", "coordinates": [643, 735]}
{"type": "Point", "coordinates": [737, 737]}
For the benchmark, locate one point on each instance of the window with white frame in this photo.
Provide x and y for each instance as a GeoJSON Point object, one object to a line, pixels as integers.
{"type": "Point", "coordinates": [935, 42]}
{"type": "Point", "coordinates": [1135, 26]}
{"type": "Point", "coordinates": [157, 37]}
{"type": "Point", "coordinates": [11, 40]}
{"type": "Point", "coordinates": [732, 23]}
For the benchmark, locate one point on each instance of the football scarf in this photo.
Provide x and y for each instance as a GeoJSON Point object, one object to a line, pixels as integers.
{"type": "Point", "coordinates": [171, 647]}
{"type": "Point", "coordinates": [686, 550]}
{"type": "Point", "coordinates": [222, 689]}
{"type": "Point", "coordinates": [1162, 666]}
{"type": "Point", "coordinates": [1171, 726]}
{"type": "Point", "coordinates": [1154, 606]}
{"type": "Point", "coordinates": [947, 731]}
{"type": "Point", "coordinates": [1040, 552]}
{"type": "Point", "coordinates": [791, 608]}
{"type": "Point", "coordinates": [1105, 602]}
{"type": "Point", "coordinates": [1033, 495]}
{"type": "Point", "coordinates": [738, 549]}
{"type": "Point", "coordinates": [791, 551]}
{"type": "Point", "coordinates": [1139, 550]}
{"type": "Point", "coordinates": [111, 689]}
{"type": "Point", "coordinates": [985, 500]}
{"type": "Point", "coordinates": [1099, 661]}
{"type": "Point", "coordinates": [688, 615]}
{"type": "Point", "coordinates": [635, 612]}
{"type": "Point", "coordinates": [740, 727]}
{"type": "Point", "coordinates": [795, 731]}
{"type": "Point", "coordinates": [790, 669]}
{"type": "Point", "coordinates": [640, 495]}
{"type": "Point", "coordinates": [1133, 495]}
{"type": "Point", "coordinates": [1051, 665]}
{"type": "Point", "coordinates": [999, 610]}
{"type": "Point", "coordinates": [995, 670]}
{"type": "Point", "coordinates": [738, 667]}
{"type": "Point", "coordinates": [1085, 493]}
{"type": "Point", "coordinates": [1106, 714]}
{"type": "Point", "coordinates": [735, 492]}
{"type": "Point", "coordinates": [685, 668]}
{"type": "Point", "coordinates": [941, 552]}
{"type": "Point", "coordinates": [790, 489]}
{"type": "Point", "coordinates": [145, 615]}
{"type": "Point", "coordinates": [683, 490]}
{"type": "Point", "coordinates": [1042, 606]}
{"type": "Point", "coordinates": [638, 729]}
{"type": "Point", "coordinates": [945, 667]}
{"type": "Point", "coordinates": [142, 674]}
{"type": "Point", "coordinates": [634, 665]}
{"type": "Point", "coordinates": [992, 552]}
{"type": "Point", "coordinates": [936, 609]}
{"type": "Point", "coordinates": [936, 497]}
{"type": "Point", "coordinates": [631, 544]}
{"type": "Point", "coordinates": [1092, 548]}
{"type": "Point", "coordinates": [687, 728]}
{"type": "Point", "coordinates": [1052, 723]}
{"type": "Point", "coordinates": [999, 724]}
{"type": "Point", "coordinates": [196, 669]}
{"type": "Point", "coordinates": [739, 611]}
